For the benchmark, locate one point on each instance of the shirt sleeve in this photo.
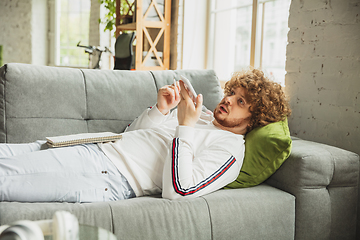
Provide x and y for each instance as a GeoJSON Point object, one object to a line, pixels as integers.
{"type": "Point", "coordinates": [189, 175]}
{"type": "Point", "coordinates": [151, 117]}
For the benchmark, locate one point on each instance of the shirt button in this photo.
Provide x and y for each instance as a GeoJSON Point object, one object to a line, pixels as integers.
{"type": "Point", "coordinates": [105, 189]}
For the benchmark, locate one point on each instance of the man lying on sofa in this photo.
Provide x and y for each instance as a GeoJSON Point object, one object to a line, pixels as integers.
{"type": "Point", "coordinates": [179, 153]}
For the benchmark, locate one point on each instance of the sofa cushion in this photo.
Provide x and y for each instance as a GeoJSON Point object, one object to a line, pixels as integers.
{"type": "Point", "coordinates": [266, 148]}
{"type": "Point", "coordinates": [115, 98]}
{"type": "Point", "coordinates": [41, 101]}
{"type": "Point", "coordinates": [38, 101]}
{"type": "Point", "coordinates": [93, 214]}
{"type": "Point", "coordinates": [260, 212]}
{"type": "Point", "coordinates": [137, 218]}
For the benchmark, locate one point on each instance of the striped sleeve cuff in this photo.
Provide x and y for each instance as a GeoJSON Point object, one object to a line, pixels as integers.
{"type": "Point", "coordinates": [178, 188]}
{"type": "Point", "coordinates": [185, 133]}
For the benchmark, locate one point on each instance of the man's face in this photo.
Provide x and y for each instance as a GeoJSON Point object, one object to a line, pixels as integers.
{"type": "Point", "coordinates": [233, 113]}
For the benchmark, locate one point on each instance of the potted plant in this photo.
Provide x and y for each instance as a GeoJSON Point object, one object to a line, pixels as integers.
{"type": "Point", "coordinates": [127, 9]}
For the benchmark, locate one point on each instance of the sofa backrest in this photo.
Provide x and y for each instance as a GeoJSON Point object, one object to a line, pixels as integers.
{"type": "Point", "coordinates": [40, 101]}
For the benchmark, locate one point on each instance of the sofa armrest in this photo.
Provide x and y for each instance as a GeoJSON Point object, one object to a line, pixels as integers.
{"type": "Point", "coordinates": [324, 180]}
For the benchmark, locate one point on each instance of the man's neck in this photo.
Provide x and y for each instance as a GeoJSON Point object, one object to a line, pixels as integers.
{"type": "Point", "coordinates": [240, 131]}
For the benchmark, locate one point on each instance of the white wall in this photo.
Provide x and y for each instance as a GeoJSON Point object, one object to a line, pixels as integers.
{"type": "Point", "coordinates": [39, 32]}
{"type": "Point", "coordinates": [94, 37]}
{"type": "Point", "coordinates": [24, 32]}
{"type": "Point", "coordinates": [15, 30]}
{"type": "Point", "coordinates": [97, 36]}
{"type": "Point", "coordinates": [194, 35]}
{"type": "Point", "coordinates": [23, 28]}
{"type": "Point", "coordinates": [323, 71]}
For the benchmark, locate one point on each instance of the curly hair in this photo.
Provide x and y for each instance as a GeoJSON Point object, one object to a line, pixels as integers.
{"type": "Point", "coordinates": [267, 100]}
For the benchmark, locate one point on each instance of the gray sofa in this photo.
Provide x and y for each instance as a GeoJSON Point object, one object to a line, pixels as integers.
{"type": "Point", "coordinates": [313, 195]}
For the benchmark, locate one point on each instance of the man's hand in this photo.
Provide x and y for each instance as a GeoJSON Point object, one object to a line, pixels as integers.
{"type": "Point", "coordinates": [188, 111]}
{"type": "Point", "coordinates": [168, 97]}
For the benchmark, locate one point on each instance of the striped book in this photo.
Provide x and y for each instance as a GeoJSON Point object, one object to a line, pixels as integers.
{"type": "Point", "coordinates": [82, 138]}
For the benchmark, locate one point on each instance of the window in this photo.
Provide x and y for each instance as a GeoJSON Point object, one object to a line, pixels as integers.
{"type": "Point", "coordinates": [246, 33]}
{"type": "Point", "coordinates": [68, 26]}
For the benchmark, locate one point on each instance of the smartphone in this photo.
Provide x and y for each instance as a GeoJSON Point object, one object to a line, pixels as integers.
{"type": "Point", "coordinates": [190, 88]}
{"type": "Point", "coordinates": [192, 93]}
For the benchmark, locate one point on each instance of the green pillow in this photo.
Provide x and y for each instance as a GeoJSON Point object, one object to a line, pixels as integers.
{"type": "Point", "coordinates": [266, 148]}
